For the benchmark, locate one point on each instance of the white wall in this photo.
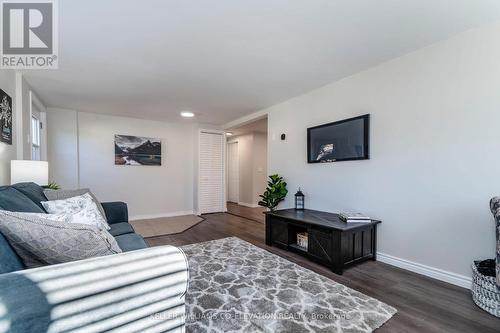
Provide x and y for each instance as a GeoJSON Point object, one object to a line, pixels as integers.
{"type": "Point", "coordinates": [259, 173]}
{"type": "Point", "coordinates": [245, 164]}
{"type": "Point", "coordinates": [62, 143]}
{"type": "Point", "coordinates": [434, 152]}
{"type": "Point", "coordinates": [252, 155]}
{"type": "Point", "coordinates": [8, 152]}
{"type": "Point", "coordinates": [149, 190]}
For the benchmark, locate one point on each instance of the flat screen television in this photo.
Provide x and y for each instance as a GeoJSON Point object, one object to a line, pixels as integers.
{"type": "Point", "coordinates": [344, 140]}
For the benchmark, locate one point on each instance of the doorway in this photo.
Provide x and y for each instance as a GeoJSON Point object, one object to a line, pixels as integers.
{"type": "Point", "coordinates": [246, 168]}
{"type": "Point", "coordinates": [233, 178]}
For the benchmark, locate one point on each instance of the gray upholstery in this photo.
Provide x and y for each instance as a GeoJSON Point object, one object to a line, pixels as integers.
{"type": "Point", "coordinates": [123, 228]}
{"type": "Point", "coordinates": [39, 241]}
{"type": "Point", "coordinates": [131, 242]}
{"type": "Point", "coordinates": [141, 291]}
{"type": "Point", "coordinates": [15, 201]}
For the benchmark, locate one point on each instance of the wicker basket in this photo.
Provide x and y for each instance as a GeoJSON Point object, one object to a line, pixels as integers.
{"type": "Point", "coordinates": [485, 292]}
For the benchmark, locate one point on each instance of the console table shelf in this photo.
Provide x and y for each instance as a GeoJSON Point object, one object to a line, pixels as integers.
{"type": "Point", "coordinates": [331, 241]}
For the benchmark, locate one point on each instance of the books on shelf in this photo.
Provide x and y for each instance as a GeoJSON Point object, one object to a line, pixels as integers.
{"type": "Point", "coordinates": [351, 217]}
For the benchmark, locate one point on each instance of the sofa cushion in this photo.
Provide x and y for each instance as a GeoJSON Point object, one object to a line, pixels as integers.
{"type": "Point", "coordinates": [32, 191]}
{"type": "Point", "coordinates": [116, 212]}
{"type": "Point", "coordinates": [9, 260]}
{"type": "Point", "coordinates": [131, 242]}
{"type": "Point", "coordinates": [66, 194]}
{"type": "Point", "coordinates": [82, 209]}
{"type": "Point", "coordinates": [15, 201]}
{"type": "Point", "coordinates": [39, 241]}
{"type": "Point", "coordinates": [123, 228]}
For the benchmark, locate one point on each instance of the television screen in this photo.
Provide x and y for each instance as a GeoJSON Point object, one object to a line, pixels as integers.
{"type": "Point", "coordinates": [344, 140]}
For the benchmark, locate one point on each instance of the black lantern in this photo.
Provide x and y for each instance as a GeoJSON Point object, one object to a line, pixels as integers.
{"type": "Point", "coordinates": [299, 200]}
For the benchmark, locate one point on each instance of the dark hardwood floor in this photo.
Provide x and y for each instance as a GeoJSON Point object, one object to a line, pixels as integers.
{"type": "Point", "coordinates": [423, 304]}
{"type": "Point", "coordinates": [250, 213]}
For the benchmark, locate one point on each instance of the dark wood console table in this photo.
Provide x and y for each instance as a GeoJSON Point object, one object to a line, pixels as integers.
{"type": "Point", "coordinates": [331, 241]}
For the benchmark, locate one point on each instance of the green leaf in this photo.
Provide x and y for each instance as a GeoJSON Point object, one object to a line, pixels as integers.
{"type": "Point", "coordinates": [276, 192]}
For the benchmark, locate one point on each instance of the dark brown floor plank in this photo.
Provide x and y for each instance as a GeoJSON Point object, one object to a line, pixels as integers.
{"type": "Point", "coordinates": [256, 214]}
{"type": "Point", "coordinates": [424, 304]}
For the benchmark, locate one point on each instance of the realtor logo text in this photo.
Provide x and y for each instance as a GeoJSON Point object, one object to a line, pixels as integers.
{"type": "Point", "coordinates": [29, 34]}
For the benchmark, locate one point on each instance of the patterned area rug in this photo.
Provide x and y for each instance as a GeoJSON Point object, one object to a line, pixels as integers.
{"type": "Point", "coordinates": [238, 287]}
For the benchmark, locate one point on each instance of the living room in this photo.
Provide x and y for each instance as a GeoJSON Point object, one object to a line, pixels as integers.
{"type": "Point", "coordinates": [184, 166]}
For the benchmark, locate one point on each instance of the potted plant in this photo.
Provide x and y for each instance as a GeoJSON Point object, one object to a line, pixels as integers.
{"type": "Point", "coordinates": [275, 192]}
{"type": "Point", "coordinates": [52, 186]}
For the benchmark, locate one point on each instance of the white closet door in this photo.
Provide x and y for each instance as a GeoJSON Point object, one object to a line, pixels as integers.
{"type": "Point", "coordinates": [233, 177]}
{"type": "Point", "coordinates": [211, 186]}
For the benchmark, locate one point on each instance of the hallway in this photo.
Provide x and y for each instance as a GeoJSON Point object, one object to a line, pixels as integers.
{"type": "Point", "coordinates": [254, 214]}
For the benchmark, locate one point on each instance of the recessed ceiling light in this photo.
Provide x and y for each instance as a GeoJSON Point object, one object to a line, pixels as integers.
{"type": "Point", "coordinates": [229, 133]}
{"type": "Point", "coordinates": [187, 114]}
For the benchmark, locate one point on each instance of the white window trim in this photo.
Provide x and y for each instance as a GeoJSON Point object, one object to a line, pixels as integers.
{"type": "Point", "coordinates": [34, 100]}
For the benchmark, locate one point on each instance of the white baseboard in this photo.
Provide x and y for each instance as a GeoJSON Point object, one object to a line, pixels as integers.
{"type": "Point", "coordinates": [436, 273]}
{"type": "Point", "coordinates": [155, 216]}
{"type": "Point", "coordinates": [248, 205]}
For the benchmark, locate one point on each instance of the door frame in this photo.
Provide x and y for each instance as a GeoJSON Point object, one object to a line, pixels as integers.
{"type": "Point", "coordinates": [238, 166]}
{"type": "Point", "coordinates": [41, 115]}
{"type": "Point", "coordinates": [224, 172]}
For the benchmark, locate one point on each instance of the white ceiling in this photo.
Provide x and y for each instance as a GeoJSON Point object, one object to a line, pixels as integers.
{"type": "Point", "coordinates": [224, 59]}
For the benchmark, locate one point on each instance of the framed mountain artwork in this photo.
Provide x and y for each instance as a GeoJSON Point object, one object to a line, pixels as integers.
{"type": "Point", "coordinates": [137, 150]}
{"type": "Point", "coordinates": [5, 117]}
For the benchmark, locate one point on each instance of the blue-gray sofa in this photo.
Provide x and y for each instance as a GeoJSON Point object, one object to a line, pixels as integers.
{"type": "Point", "coordinates": [139, 290]}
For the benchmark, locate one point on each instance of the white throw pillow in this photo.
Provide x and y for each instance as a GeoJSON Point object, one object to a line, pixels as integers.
{"type": "Point", "coordinates": [81, 209]}
{"type": "Point", "coordinates": [65, 194]}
